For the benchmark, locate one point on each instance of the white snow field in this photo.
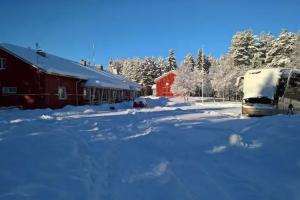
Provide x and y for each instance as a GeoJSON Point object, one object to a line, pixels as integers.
{"type": "Point", "coordinates": [170, 150]}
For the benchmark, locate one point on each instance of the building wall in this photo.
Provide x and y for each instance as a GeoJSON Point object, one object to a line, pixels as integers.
{"type": "Point", "coordinates": [35, 89]}
{"type": "Point", "coordinates": [25, 78]}
{"type": "Point", "coordinates": [74, 96]}
{"type": "Point", "coordinates": [163, 85]}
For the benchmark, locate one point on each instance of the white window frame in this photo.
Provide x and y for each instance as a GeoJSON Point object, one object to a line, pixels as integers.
{"type": "Point", "coordinates": [62, 93]}
{"type": "Point", "coordinates": [6, 91]}
{"type": "Point", "coordinates": [86, 93]}
{"type": "Point", "coordinates": [2, 63]}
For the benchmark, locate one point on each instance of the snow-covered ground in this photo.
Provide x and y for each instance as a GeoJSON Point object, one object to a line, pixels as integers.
{"type": "Point", "coordinates": [170, 150]}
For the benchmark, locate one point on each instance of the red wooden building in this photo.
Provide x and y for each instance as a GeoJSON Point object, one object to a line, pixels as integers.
{"type": "Point", "coordinates": [35, 79]}
{"type": "Point", "coordinates": [164, 83]}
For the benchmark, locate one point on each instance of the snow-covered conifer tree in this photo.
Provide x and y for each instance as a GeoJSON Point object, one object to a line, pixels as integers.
{"type": "Point", "coordinates": [161, 65]}
{"type": "Point", "coordinates": [263, 46]}
{"type": "Point", "coordinates": [115, 66]}
{"type": "Point", "coordinates": [202, 62]}
{"type": "Point", "coordinates": [202, 68]}
{"type": "Point", "coordinates": [243, 48]}
{"type": "Point", "coordinates": [132, 69]}
{"type": "Point", "coordinates": [295, 59]}
{"type": "Point", "coordinates": [149, 71]}
{"type": "Point", "coordinates": [282, 49]}
{"type": "Point", "coordinates": [171, 61]}
{"type": "Point", "coordinates": [189, 62]}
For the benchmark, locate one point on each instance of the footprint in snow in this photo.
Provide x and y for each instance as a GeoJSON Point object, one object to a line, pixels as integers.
{"type": "Point", "coordinates": [91, 130]}
{"type": "Point", "coordinates": [15, 121]}
{"type": "Point", "coordinates": [157, 171]}
{"type": "Point", "coordinates": [46, 117]}
{"type": "Point", "coordinates": [217, 149]}
{"type": "Point", "coordinates": [235, 140]}
{"type": "Point", "coordinates": [146, 132]}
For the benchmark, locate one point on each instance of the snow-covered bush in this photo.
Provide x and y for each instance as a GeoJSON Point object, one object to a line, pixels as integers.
{"type": "Point", "coordinates": [186, 81]}
{"type": "Point", "coordinates": [223, 77]}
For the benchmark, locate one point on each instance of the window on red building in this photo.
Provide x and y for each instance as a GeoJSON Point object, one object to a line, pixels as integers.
{"type": "Point", "coordinates": [62, 93]}
{"type": "Point", "coordinates": [2, 63]}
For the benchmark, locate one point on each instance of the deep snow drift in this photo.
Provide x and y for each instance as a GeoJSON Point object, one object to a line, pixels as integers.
{"type": "Point", "coordinates": [170, 150]}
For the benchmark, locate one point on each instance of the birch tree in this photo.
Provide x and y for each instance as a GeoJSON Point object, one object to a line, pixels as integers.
{"type": "Point", "coordinates": [185, 81]}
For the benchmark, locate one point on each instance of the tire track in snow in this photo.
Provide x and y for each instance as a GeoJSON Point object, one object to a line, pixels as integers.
{"type": "Point", "coordinates": [103, 184]}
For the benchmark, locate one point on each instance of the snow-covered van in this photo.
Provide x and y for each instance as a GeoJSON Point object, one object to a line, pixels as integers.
{"type": "Point", "coordinates": [271, 91]}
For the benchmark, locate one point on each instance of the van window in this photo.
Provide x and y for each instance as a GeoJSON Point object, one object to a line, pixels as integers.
{"type": "Point", "coordinates": [293, 90]}
{"type": "Point", "coordinates": [294, 80]}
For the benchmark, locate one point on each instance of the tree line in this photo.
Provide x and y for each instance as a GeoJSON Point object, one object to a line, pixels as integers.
{"type": "Point", "coordinates": [218, 75]}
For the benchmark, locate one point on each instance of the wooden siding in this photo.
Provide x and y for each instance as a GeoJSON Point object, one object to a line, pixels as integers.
{"type": "Point", "coordinates": [27, 80]}
{"type": "Point", "coordinates": [163, 85]}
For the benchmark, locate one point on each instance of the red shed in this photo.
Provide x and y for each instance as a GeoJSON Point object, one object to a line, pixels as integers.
{"type": "Point", "coordinates": [164, 83]}
{"type": "Point", "coordinates": [32, 78]}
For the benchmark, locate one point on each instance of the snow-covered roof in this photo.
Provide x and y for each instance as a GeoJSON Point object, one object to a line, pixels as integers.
{"type": "Point", "coordinates": [165, 74]}
{"type": "Point", "coordinates": [261, 82]}
{"type": "Point", "coordinates": [52, 64]}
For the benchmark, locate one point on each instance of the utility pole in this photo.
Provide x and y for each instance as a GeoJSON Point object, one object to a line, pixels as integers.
{"type": "Point", "coordinates": [202, 82]}
{"type": "Point", "coordinates": [37, 47]}
{"type": "Point", "coordinates": [93, 55]}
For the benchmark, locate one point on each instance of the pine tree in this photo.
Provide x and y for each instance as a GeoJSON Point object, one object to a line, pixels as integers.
{"type": "Point", "coordinates": [282, 49]}
{"type": "Point", "coordinates": [295, 59]}
{"type": "Point", "coordinates": [263, 46]}
{"type": "Point", "coordinates": [189, 62]}
{"type": "Point", "coordinates": [202, 62]}
{"type": "Point", "coordinates": [208, 61]}
{"type": "Point", "coordinates": [132, 69]}
{"type": "Point", "coordinates": [161, 65]}
{"type": "Point", "coordinates": [149, 71]}
{"type": "Point", "coordinates": [243, 48]}
{"type": "Point", "coordinates": [115, 66]}
{"type": "Point", "coordinates": [171, 61]}
{"type": "Point", "coordinates": [146, 78]}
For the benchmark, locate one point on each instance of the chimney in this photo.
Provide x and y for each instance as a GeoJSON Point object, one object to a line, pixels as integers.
{"type": "Point", "coordinates": [41, 53]}
{"type": "Point", "coordinates": [83, 62]}
{"type": "Point", "coordinates": [99, 67]}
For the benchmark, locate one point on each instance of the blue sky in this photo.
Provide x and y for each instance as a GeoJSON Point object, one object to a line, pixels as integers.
{"type": "Point", "coordinates": [128, 28]}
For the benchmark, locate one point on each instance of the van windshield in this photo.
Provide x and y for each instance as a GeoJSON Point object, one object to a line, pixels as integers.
{"type": "Point", "coordinates": [260, 100]}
